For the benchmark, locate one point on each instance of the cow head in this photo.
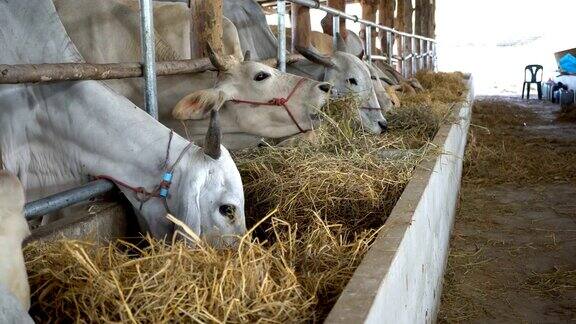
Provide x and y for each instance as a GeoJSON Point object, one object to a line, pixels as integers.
{"type": "Point", "coordinates": [350, 75]}
{"type": "Point", "coordinates": [206, 194]}
{"type": "Point", "coordinates": [242, 91]}
{"type": "Point", "coordinates": [380, 88]}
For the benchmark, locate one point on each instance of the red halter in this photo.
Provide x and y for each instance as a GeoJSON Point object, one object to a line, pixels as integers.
{"type": "Point", "coordinates": [279, 102]}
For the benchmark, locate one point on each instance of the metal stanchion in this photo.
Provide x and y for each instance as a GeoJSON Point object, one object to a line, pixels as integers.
{"type": "Point", "coordinates": [281, 11]}
{"type": "Point", "coordinates": [148, 57]}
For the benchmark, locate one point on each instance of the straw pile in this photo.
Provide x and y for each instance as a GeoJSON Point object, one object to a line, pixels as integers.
{"type": "Point", "coordinates": [325, 203]}
{"type": "Point", "coordinates": [499, 151]}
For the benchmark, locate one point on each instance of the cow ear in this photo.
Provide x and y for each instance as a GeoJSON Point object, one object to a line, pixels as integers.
{"type": "Point", "coordinates": [198, 105]}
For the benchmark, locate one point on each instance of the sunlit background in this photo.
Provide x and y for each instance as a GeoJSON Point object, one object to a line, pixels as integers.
{"type": "Point", "coordinates": [494, 39]}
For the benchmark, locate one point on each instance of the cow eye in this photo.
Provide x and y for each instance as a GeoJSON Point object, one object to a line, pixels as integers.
{"type": "Point", "coordinates": [261, 76]}
{"type": "Point", "coordinates": [228, 211]}
{"type": "Point", "coordinates": [352, 81]}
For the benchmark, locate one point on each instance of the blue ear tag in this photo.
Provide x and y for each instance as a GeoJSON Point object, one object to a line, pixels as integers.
{"type": "Point", "coordinates": [165, 184]}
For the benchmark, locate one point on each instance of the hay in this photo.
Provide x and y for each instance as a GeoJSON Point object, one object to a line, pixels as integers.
{"type": "Point", "coordinates": [552, 283]}
{"type": "Point", "coordinates": [443, 87]}
{"type": "Point", "coordinates": [501, 151]}
{"type": "Point", "coordinates": [83, 282]}
{"type": "Point", "coordinates": [421, 114]}
{"type": "Point", "coordinates": [327, 199]}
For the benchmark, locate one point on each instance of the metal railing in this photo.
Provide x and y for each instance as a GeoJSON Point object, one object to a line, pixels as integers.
{"type": "Point", "coordinates": [423, 59]}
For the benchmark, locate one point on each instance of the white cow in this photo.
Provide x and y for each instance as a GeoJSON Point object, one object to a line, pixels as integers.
{"type": "Point", "coordinates": [347, 73]}
{"type": "Point", "coordinates": [14, 288]}
{"type": "Point", "coordinates": [108, 31]}
{"type": "Point", "coordinates": [61, 134]}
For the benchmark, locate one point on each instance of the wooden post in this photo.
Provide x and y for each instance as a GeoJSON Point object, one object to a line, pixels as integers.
{"type": "Point", "coordinates": [369, 8]}
{"type": "Point", "coordinates": [301, 27]}
{"type": "Point", "coordinates": [432, 19]}
{"type": "Point", "coordinates": [327, 21]}
{"type": "Point", "coordinates": [386, 17]}
{"type": "Point", "coordinates": [422, 25]}
{"type": "Point", "coordinates": [403, 23]}
{"type": "Point", "coordinates": [205, 27]}
{"type": "Point", "coordinates": [420, 18]}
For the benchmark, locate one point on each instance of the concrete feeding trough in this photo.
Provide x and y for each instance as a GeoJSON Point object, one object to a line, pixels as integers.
{"type": "Point", "coordinates": [400, 278]}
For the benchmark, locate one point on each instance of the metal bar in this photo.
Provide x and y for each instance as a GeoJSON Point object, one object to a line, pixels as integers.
{"type": "Point", "coordinates": [401, 54]}
{"type": "Point", "coordinates": [422, 55]}
{"type": "Point", "coordinates": [434, 62]}
{"type": "Point", "coordinates": [368, 35]}
{"type": "Point", "coordinates": [32, 73]}
{"type": "Point", "coordinates": [390, 44]}
{"type": "Point", "coordinates": [428, 61]}
{"type": "Point", "coordinates": [148, 57]}
{"type": "Point", "coordinates": [66, 198]}
{"type": "Point", "coordinates": [381, 58]}
{"type": "Point", "coordinates": [281, 11]}
{"type": "Point", "coordinates": [335, 30]}
{"type": "Point", "coordinates": [316, 5]}
{"type": "Point", "coordinates": [414, 59]}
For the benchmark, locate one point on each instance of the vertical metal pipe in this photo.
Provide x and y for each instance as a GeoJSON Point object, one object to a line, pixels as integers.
{"type": "Point", "coordinates": [429, 55]}
{"type": "Point", "coordinates": [281, 11]}
{"type": "Point", "coordinates": [413, 60]}
{"type": "Point", "coordinates": [335, 30]}
{"type": "Point", "coordinates": [421, 59]}
{"type": "Point", "coordinates": [368, 43]}
{"type": "Point", "coordinates": [148, 57]}
{"type": "Point", "coordinates": [390, 49]}
{"type": "Point", "coordinates": [402, 54]}
{"type": "Point", "coordinates": [434, 63]}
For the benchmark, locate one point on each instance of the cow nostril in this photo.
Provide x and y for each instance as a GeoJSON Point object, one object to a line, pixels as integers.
{"type": "Point", "coordinates": [325, 87]}
{"type": "Point", "coordinates": [383, 126]}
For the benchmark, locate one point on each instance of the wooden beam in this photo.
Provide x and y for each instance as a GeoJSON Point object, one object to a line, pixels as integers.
{"type": "Point", "coordinates": [34, 73]}
{"type": "Point", "coordinates": [53, 72]}
{"type": "Point", "coordinates": [432, 19]}
{"type": "Point", "coordinates": [301, 27]}
{"type": "Point", "coordinates": [386, 17]}
{"type": "Point", "coordinates": [327, 21]}
{"type": "Point", "coordinates": [205, 27]}
{"type": "Point", "coordinates": [369, 8]}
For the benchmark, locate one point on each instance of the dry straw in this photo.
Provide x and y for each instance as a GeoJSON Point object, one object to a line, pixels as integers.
{"type": "Point", "coordinates": [325, 201]}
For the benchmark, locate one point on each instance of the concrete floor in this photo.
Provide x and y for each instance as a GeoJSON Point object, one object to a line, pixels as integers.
{"type": "Point", "coordinates": [513, 249]}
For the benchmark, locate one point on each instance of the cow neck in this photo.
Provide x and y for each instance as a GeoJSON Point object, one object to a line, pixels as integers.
{"type": "Point", "coordinates": [137, 152]}
{"type": "Point", "coordinates": [162, 189]}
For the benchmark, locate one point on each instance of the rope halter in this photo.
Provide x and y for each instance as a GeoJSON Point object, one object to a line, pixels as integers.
{"type": "Point", "coordinates": [278, 102]}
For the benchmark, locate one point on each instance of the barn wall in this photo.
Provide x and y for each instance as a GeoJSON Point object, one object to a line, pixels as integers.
{"type": "Point", "coordinates": [400, 278]}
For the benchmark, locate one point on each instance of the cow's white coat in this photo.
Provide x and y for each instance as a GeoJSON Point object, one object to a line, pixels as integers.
{"type": "Point", "coordinates": [14, 288]}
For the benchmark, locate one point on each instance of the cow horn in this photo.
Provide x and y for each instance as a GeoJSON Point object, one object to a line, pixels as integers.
{"type": "Point", "coordinates": [247, 56]}
{"type": "Point", "coordinates": [312, 55]}
{"type": "Point", "coordinates": [213, 137]}
{"type": "Point", "coordinates": [340, 43]}
{"type": "Point", "coordinates": [215, 59]}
